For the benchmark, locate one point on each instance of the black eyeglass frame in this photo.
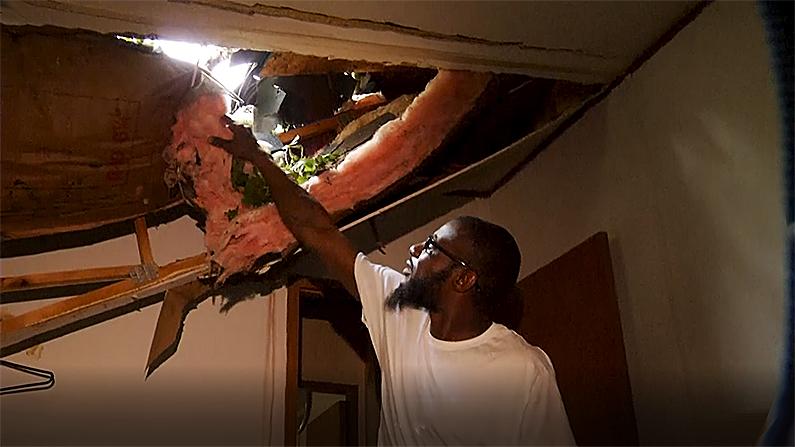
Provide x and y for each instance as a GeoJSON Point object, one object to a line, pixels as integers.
{"type": "Point", "coordinates": [431, 242]}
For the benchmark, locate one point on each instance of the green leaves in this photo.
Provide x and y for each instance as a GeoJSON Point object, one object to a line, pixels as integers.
{"type": "Point", "coordinates": [302, 170]}
{"type": "Point", "coordinates": [299, 168]}
{"type": "Point", "coordinates": [231, 214]}
{"type": "Point", "coordinates": [239, 177]}
{"type": "Point", "coordinates": [255, 191]}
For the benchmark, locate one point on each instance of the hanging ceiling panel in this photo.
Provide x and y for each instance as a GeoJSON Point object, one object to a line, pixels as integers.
{"type": "Point", "coordinates": [589, 42]}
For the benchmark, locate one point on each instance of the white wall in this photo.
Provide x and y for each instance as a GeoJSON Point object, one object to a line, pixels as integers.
{"type": "Point", "coordinates": [680, 165]}
{"type": "Point", "coordinates": [211, 392]}
{"type": "Point", "coordinates": [326, 357]}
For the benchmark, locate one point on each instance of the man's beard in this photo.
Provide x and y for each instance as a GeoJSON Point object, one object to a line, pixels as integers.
{"type": "Point", "coordinates": [419, 293]}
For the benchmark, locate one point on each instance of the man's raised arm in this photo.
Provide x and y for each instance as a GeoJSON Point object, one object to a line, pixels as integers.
{"type": "Point", "coordinates": [309, 222]}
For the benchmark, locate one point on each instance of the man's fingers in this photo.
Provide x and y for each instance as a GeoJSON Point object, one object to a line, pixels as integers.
{"type": "Point", "coordinates": [241, 136]}
{"type": "Point", "coordinates": [237, 129]}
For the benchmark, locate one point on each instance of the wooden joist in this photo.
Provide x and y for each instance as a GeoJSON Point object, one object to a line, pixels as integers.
{"type": "Point", "coordinates": [142, 237]}
{"type": "Point", "coordinates": [91, 275]}
{"type": "Point", "coordinates": [337, 121]}
{"type": "Point", "coordinates": [62, 317]}
{"type": "Point", "coordinates": [70, 277]}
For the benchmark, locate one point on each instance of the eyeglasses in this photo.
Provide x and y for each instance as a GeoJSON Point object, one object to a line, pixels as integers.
{"type": "Point", "coordinates": [431, 243]}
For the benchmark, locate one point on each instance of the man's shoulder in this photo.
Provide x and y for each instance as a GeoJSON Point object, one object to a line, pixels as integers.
{"type": "Point", "coordinates": [370, 275]}
{"type": "Point", "coordinates": [363, 262]}
{"type": "Point", "coordinates": [517, 353]}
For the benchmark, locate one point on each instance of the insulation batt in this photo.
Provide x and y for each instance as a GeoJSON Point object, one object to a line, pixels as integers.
{"type": "Point", "coordinates": [395, 150]}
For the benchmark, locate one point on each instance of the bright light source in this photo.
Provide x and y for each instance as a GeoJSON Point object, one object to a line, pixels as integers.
{"type": "Point", "coordinates": [192, 53]}
{"type": "Point", "coordinates": [230, 76]}
{"type": "Point", "coordinates": [197, 54]}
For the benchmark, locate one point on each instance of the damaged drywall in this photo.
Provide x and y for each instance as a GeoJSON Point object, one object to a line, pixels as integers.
{"type": "Point", "coordinates": [258, 26]}
{"type": "Point", "coordinates": [326, 19]}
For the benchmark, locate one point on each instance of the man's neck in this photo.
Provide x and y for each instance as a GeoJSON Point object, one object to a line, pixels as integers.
{"type": "Point", "coordinates": [458, 324]}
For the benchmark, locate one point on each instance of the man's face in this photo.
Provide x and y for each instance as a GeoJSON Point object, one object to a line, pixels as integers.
{"type": "Point", "coordinates": [419, 292]}
{"type": "Point", "coordinates": [427, 272]}
{"type": "Point", "coordinates": [425, 261]}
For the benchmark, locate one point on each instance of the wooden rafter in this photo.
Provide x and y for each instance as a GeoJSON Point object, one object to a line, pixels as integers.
{"type": "Point", "coordinates": [142, 237]}
{"type": "Point", "coordinates": [337, 121]}
{"type": "Point", "coordinates": [91, 275]}
{"type": "Point", "coordinates": [56, 319]}
{"type": "Point", "coordinates": [65, 278]}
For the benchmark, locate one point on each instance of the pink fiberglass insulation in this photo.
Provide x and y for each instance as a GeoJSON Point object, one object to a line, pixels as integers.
{"type": "Point", "coordinates": [395, 150]}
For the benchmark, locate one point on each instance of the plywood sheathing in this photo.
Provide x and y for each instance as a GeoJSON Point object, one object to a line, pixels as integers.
{"type": "Point", "coordinates": [85, 119]}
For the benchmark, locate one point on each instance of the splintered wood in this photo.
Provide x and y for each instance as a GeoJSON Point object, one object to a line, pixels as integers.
{"type": "Point", "coordinates": [53, 320]}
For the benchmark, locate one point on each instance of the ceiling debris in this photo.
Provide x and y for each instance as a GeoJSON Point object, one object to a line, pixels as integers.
{"type": "Point", "coordinates": [590, 42]}
{"type": "Point", "coordinates": [177, 302]}
{"type": "Point", "coordinates": [68, 315]}
{"type": "Point", "coordinates": [71, 164]}
{"type": "Point", "coordinates": [84, 147]}
{"type": "Point", "coordinates": [240, 231]}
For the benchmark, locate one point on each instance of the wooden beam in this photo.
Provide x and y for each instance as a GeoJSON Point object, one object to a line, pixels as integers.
{"type": "Point", "coordinates": [85, 276]}
{"type": "Point", "coordinates": [142, 237]}
{"type": "Point", "coordinates": [293, 359]}
{"type": "Point", "coordinates": [329, 124]}
{"type": "Point", "coordinates": [70, 277]}
{"type": "Point", "coordinates": [17, 332]}
{"type": "Point", "coordinates": [168, 331]}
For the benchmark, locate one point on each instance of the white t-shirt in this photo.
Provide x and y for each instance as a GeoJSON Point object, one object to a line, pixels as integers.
{"type": "Point", "coordinates": [493, 389]}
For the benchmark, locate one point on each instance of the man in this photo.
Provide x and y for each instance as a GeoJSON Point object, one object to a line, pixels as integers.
{"type": "Point", "coordinates": [449, 374]}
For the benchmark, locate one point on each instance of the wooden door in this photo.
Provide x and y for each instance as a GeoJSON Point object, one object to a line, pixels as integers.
{"type": "Point", "coordinates": [570, 310]}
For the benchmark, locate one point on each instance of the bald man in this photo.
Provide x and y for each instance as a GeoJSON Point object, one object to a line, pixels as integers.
{"type": "Point", "coordinates": [450, 375]}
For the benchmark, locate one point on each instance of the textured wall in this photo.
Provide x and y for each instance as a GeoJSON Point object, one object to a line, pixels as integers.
{"type": "Point", "coordinates": [680, 165]}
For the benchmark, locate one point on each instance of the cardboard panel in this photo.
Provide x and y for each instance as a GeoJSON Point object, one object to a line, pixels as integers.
{"type": "Point", "coordinates": [85, 118]}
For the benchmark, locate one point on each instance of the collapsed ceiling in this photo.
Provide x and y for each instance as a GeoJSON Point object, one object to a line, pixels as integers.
{"type": "Point", "coordinates": [588, 42]}
{"type": "Point", "coordinates": [57, 195]}
{"type": "Point", "coordinates": [84, 149]}
{"type": "Point", "coordinates": [86, 152]}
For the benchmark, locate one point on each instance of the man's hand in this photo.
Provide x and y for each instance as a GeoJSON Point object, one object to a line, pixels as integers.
{"type": "Point", "coordinates": [242, 145]}
{"type": "Point", "coordinates": [301, 213]}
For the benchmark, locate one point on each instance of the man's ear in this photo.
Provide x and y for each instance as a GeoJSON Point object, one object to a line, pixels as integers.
{"type": "Point", "coordinates": [464, 280]}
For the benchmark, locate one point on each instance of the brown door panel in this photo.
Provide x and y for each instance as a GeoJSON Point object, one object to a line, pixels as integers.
{"type": "Point", "coordinates": [570, 310]}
